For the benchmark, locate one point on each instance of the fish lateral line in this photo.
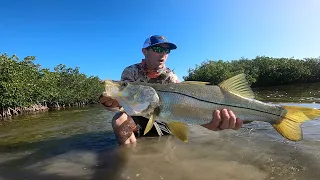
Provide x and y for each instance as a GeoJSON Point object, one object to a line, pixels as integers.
{"type": "Point", "coordinates": [203, 100]}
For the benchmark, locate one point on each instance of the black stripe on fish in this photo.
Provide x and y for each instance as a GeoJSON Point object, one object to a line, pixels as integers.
{"type": "Point", "coordinates": [218, 103]}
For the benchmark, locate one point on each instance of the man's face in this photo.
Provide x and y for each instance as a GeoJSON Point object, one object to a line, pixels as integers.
{"type": "Point", "coordinates": [156, 58]}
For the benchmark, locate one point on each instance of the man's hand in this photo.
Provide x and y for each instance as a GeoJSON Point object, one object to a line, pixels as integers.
{"type": "Point", "coordinates": [224, 120]}
{"type": "Point", "coordinates": [109, 103]}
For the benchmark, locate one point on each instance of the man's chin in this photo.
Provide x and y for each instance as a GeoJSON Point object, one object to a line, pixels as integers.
{"type": "Point", "coordinates": [161, 65]}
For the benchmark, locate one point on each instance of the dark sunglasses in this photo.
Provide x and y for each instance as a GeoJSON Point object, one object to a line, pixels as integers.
{"type": "Point", "coordinates": [159, 49]}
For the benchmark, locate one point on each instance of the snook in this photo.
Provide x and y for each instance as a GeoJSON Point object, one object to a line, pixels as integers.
{"type": "Point", "coordinates": [194, 103]}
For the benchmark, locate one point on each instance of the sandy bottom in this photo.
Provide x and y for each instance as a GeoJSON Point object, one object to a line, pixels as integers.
{"type": "Point", "coordinates": [240, 155]}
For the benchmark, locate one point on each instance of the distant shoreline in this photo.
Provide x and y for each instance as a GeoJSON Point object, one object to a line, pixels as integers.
{"type": "Point", "coordinates": [261, 71]}
{"type": "Point", "coordinates": [25, 87]}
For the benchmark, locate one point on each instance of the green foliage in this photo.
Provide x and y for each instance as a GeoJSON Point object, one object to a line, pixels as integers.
{"type": "Point", "coordinates": [261, 71]}
{"type": "Point", "coordinates": [23, 83]}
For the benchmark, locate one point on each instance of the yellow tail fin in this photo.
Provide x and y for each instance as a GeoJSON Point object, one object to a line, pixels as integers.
{"type": "Point", "coordinates": [289, 125]}
{"type": "Point", "coordinates": [310, 112]}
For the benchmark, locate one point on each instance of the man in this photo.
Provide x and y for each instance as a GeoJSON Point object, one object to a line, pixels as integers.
{"type": "Point", "coordinates": [152, 69]}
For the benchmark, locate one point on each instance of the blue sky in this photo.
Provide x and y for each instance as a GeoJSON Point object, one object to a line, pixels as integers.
{"type": "Point", "coordinates": [102, 37]}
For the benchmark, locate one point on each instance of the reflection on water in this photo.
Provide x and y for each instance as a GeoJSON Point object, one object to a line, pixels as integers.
{"type": "Point", "coordinates": [79, 144]}
{"type": "Point", "coordinates": [290, 93]}
{"type": "Point", "coordinates": [220, 156]}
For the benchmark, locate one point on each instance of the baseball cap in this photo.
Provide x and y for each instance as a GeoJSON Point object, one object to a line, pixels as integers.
{"type": "Point", "coordinates": [157, 39]}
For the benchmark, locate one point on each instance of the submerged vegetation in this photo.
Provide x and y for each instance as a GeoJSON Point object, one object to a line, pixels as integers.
{"type": "Point", "coordinates": [260, 72]}
{"type": "Point", "coordinates": [26, 87]}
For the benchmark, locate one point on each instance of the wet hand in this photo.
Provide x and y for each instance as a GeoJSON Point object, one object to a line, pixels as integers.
{"type": "Point", "coordinates": [224, 119]}
{"type": "Point", "coordinates": [109, 102]}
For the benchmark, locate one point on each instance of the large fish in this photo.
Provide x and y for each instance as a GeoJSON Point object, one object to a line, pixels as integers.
{"type": "Point", "coordinates": [193, 102]}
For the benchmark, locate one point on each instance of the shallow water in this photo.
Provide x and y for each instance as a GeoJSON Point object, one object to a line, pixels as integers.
{"type": "Point", "coordinates": [301, 93]}
{"type": "Point", "coordinates": [79, 144]}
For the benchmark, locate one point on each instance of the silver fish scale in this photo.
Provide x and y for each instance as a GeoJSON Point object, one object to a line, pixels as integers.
{"type": "Point", "coordinates": [195, 104]}
{"type": "Point", "coordinates": [176, 107]}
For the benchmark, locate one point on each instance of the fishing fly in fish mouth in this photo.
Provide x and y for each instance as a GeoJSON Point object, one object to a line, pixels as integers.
{"type": "Point", "coordinates": [179, 104]}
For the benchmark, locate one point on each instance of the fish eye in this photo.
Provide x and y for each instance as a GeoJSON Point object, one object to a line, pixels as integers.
{"type": "Point", "coordinates": [123, 85]}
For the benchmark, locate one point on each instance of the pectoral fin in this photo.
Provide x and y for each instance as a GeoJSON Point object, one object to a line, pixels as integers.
{"type": "Point", "coordinates": [180, 130]}
{"type": "Point", "coordinates": [149, 125]}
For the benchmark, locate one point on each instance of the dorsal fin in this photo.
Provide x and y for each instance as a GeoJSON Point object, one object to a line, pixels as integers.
{"type": "Point", "coordinates": [238, 85]}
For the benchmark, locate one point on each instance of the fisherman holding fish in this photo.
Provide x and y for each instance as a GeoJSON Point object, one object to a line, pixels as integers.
{"type": "Point", "coordinates": [152, 69]}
